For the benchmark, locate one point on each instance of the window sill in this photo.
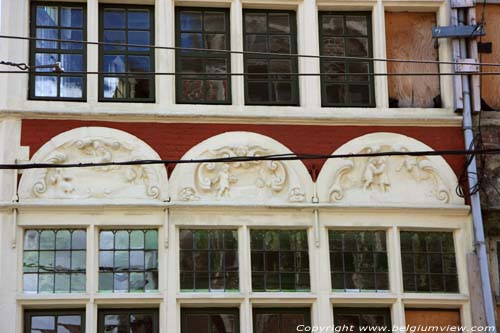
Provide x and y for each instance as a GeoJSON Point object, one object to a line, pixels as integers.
{"type": "Point", "coordinates": [233, 113]}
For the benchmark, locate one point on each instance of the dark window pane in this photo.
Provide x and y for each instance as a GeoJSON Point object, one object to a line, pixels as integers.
{"type": "Point", "coordinates": [278, 320]}
{"type": "Point", "coordinates": [215, 41]}
{"type": "Point", "coordinates": [335, 94]}
{"type": "Point", "coordinates": [191, 40]}
{"type": "Point", "coordinates": [139, 88]}
{"type": "Point", "coordinates": [255, 22]}
{"type": "Point", "coordinates": [72, 62]}
{"type": "Point", "coordinates": [332, 24]}
{"type": "Point", "coordinates": [214, 21]}
{"type": "Point", "coordinates": [138, 38]}
{"type": "Point", "coordinates": [425, 264]}
{"type": "Point", "coordinates": [258, 91]}
{"type": "Point", "coordinates": [114, 19]}
{"type": "Point", "coordinates": [356, 25]}
{"type": "Point", "coordinates": [47, 34]}
{"type": "Point", "coordinates": [282, 91]}
{"type": "Point", "coordinates": [279, 44]}
{"type": "Point", "coordinates": [280, 261]}
{"type": "Point", "coordinates": [114, 37]}
{"type": "Point", "coordinates": [256, 43]}
{"type": "Point", "coordinates": [352, 253]}
{"type": "Point", "coordinates": [279, 22]}
{"type": "Point", "coordinates": [190, 21]}
{"type": "Point", "coordinates": [138, 19]}
{"type": "Point", "coordinates": [47, 15]}
{"type": "Point", "coordinates": [357, 47]}
{"type": "Point", "coordinates": [71, 17]}
{"type": "Point", "coordinates": [360, 94]}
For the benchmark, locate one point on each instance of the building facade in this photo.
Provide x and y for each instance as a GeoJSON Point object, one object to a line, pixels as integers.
{"type": "Point", "coordinates": [249, 246]}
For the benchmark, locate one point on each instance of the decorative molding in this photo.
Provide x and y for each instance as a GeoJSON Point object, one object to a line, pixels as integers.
{"type": "Point", "coordinates": [250, 181]}
{"type": "Point", "coordinates": [387, 179]}
{"type": "Point", "coordinates": [94, 145]}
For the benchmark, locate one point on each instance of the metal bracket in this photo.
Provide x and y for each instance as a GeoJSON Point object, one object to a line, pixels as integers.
{"type": "Point", "coordinates": [461, 3]}
{"type": "Point", "coordinates": [458, 31]}
{"type": "Point", "coordinates": [465, 66]}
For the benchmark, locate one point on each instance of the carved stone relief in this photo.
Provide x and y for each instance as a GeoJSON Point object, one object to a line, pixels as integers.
{"type": "Point", "coordinates": [130, 181]}
{"type": "Point", "coordinates": [252, 181]}
{"type": "Point", "coordinates": [400, 179]}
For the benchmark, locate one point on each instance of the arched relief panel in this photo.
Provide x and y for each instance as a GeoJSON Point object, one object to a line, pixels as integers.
{"type": "Point", "coordinates": [405, 180]}
{"type": "Point", "coordinates": [257, 182]}
{"type": "Point", "coordinates": [94, 145]}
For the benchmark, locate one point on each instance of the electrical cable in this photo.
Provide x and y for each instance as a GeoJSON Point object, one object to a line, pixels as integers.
{"type": "Point", "coordinates": [295, 55]}
{"type": "Point", "coordinates": [235, 159]}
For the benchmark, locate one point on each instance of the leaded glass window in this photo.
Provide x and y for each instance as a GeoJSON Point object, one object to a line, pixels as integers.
{"type": "Point", "coordinates": [280, 260]}
{"type": "Point", "coordinates": [209, 260]}
{"type": "Point", "coordinates": [65, 21]}
{"type": "Point", "coordinates": [128, 260]}
{"type": "Point", "coordinates": [346, 35]}
{"type": "Point", "coordinates": [270, 32]}
{"type": "Point", "coordinates": [54, 261]}
{"type": "Point", "coordinates": [216, 320]}
{"type": "Point", "coordinates": [428, 260]}
{"type": "Point", "coordinates": [358, 260]}
{"type": "Point", "coordinates": [125, 66]}
{"type": "Point", "coordinates": [280, 320]}
{"type": "Point", "coordinates": [203, 28]}
{"type": "Point", "coordinates": [54, 321]}
{"type": "Point", "coordinates": [128, 321]}
{"type": "Point", "coordinates": [362, 319]}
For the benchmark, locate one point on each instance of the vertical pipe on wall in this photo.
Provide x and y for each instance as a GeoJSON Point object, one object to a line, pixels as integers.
{"type": "Point", "coordinates": [477, 219]}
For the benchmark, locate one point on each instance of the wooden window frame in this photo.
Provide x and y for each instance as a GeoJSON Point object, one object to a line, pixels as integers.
{"type": "Point", "coordinates": [209, 311]}
{"type": "Point", "coordinates": [103, 312]}
{"type": "Point", "coordinates": [126, 52]}
{"type": "Point", "coordinates": [33, 50]}
{"type": "Point", "coordinates": [28, 314]}
{"type": "Point", "coordinates": [294, 78]}
{"type": "Point", "coordinates": [370, 83]}
{"type": "Point", "coordinates": [202, 54]}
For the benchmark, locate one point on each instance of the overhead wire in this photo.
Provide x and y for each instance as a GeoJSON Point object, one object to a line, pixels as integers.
{"type": "Point", "coordinates": [237, 159]}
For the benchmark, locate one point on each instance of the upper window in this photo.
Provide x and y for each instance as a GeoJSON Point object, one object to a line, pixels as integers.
{"type": "Point", "coordinates": [358, 260]}
{"type": "Point", "coordinates": [280, 260]}
{"type": "Point", "coordinates": [345, 80]}
{"type": "Point", "coordinates": [54, 321]}
{"type": "Point", "coordinates": [54, 261]}
{"type": "Point", "coordinates": [206, 82]}
{"type": "Point", "coordinates": [126, 67]}
{"type": "Point", "coordinates": [428, 262]}
{"type": "Point", "coordinates": [209, 260]}
{"type": "Point", "coordinates": [65, 22]}
{"type": "Point", "coordinates": [128, 260]}
{"type": "Point", "coordinates": [271, 79]}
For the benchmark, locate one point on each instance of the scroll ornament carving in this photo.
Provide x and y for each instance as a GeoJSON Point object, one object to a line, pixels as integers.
{"type": "Point", "coordinates": [96, 182]}
{"type": "Point", "coordinates": [232, 180]}
{"type": "Point", "coordinates": [381, 176]}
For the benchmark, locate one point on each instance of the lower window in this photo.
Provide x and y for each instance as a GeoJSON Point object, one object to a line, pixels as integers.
{"type": "Point", "coordinates": [54, 321]}
{"type": "Point", "coordinates": [378, 320]}
{"type": "Point", "coordinates": [278, 320]}
{"type": "Point", "coordinates": [217, 320]}
{"type": "Point", "coordinates": [129, 321]}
